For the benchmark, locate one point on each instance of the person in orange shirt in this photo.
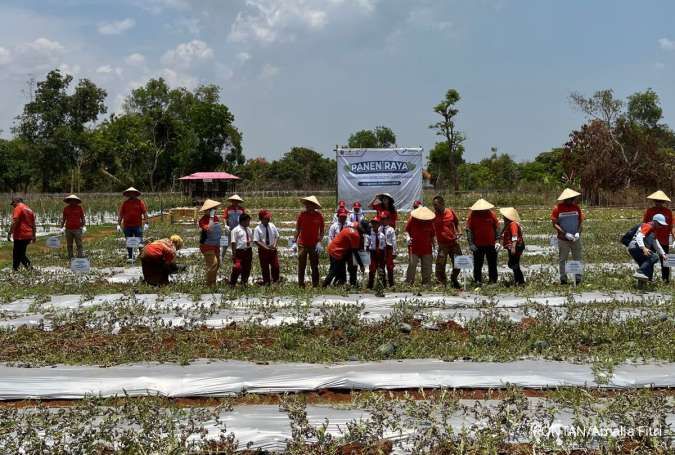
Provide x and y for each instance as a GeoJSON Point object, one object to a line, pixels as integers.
{"type": "Point", "coordinates": [665, 235]}
{"type": "Point", "coordinates": [210, 231]}
{"type": "Point", "coordinates": [158, 260]}
{"type": "Point", "coordinates": [309, 230]}
{"type": "Point", "coordinates": [512, 240]}
{"type": "Point", "coordinates": [133, 217]}
{"type": "Point", "coordinates": [23, 231]}
{"type": "Point", "coordinates": [420, 228]}
{"type": "Point", "coordinates": [567, 219]}
{"type": "Point", "coordinates": [482, 227]}
{"type": "Point", "coordinates": [342, 249]}
{"type": "Point", "coordinates": [73, 225]}
{"type": "Point", "coordinates": [446, 230]}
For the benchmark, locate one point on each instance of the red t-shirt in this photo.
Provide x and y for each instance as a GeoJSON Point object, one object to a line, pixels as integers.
{"type": "Point", "coordinates": [512, 230]}
{"type": "Point", "coordinates": [393, 216]}
{"type": "Point", "coordinates": [132, 212]}
{"type": "Point", "coordinates": [483, 225]}
{"type": "Point", "coordinates": [564, 208]}
{"type": "Point", "coordinates": [310, 225]}
{"type": "Point", "coordinates": [662, 232]}
{"type": "Point", "coordinates": [348, 239]}
{"type": "Point", "coordinates": [160, 250]}
{"type": "Point", "coordinates": [73, 214]}
{"type": "Point", "coordinates": [24, 219]}
{"type": "Point", "coordinates": [421, 235]}
{"type": "Point", "coordinates": [446, 225]}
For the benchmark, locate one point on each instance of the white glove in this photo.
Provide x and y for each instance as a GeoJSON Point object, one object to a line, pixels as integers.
{"type": "Point", "coordinates": [119, 228]}
{"type": "Point", "coordinates": [498, 247]}
{"type": "Point", "coordinates": [569, 237]}
{"type": "Point", "coordinates": [672, 246]}
{"type": "Point", "coordinates": [319, 247]}
{"type": "Point", "coordinates": [62, 230]}
{"type": "Point", "coordinates": [146, 227]}
{"type": "Point", "coordinates": [294, 248]}
{"type": "Point", "coordinates": [84, 229]}
{"type": "Point", "coordinates": [576, 237]}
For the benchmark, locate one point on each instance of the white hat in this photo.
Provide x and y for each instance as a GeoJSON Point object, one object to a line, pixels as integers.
{"type": "Point", "coordinates": [482, 204]}
{"type": "Point", "coordinates": [568, 194]}
{"type": "Point", "coordinates": [423, 214]}
{"type": "Point", "coordinates": [131, 189]}
{"type": "Point", "coordinates": [311, 200]}
{"type": "Point", "coordinates": [510, 213]}
{"type": "Point", "coordinates": [72, 197]}
{"type": "Point", "coordinates": [209, 204]}
{"type": "Point", "coordinates": [660, 218]}
{"type": "Point", "coordinates": [235, 197]}
{"type": "Point", "coordinates": [659, 196]}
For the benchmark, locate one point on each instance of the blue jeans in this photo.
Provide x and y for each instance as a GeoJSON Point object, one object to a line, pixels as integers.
{"type": "Point", "coordinates": [133, 232]}
{"type": "Point", "coordinates": [646, 263]}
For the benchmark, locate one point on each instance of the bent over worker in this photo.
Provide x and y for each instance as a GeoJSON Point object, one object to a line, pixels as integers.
{"type": "Point", "coordinates": [158, 260]}
{"type": "Point", "coordinates": [664, 234]}
{"type": "Point", "coordinates": [343, 249]}
{"type": "Point", "coordinates": [646, 249]}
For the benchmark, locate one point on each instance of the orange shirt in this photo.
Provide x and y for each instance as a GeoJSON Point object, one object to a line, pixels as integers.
{"type": "Point", "coordinates": [512, 230]}
{"type": "Point", "coordinates": [446, 226]}
{"type": "Point", "coordinates": [483, 225]}
{"type": "Point", "coordinates": [24, 219]}
{"type": "Point", "coordinates": [421, 235]}
{"type": "Point", "coordinates": [132, 212]}
{"type": "Point", "coordinates": [310, 225]}
{"type": "Point", "coordinates": [348, 239]}
{"type": "Point", "coordinates": [160, 250]}
{"type": "Point", "coordinates": [662, 232]}
{"type": "Point", "coordinates": [74, 216]}
{"type": "Point", "coordinates": [566, 209]}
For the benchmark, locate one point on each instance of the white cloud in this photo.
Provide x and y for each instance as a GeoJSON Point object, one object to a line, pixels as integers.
{"type": "Point", "coordinates": [185, 54]}
{"type": "Point", "coordinates": [427, 18]}
{"type": "Point", "coordinates": [135, 59]}
{"type": "Point", "coordinates": [667, 44]}
{"type": "Point", "coordinates": [176, 79]}
{"type": "Point", "coordinates": [117, 27]}
{"type": "Point", "coordinates": [44, 45]}
{"type": "Point", "coordinates": [73, 70]}
{"type": "Point", "coordinates": [159, 6]}
{"type": "Point", "coordinates": [105, 69]}
{"type": "Point", "coordinates": [243, 57]}
{"type": "Point", "coordinates": [269, 71]}
{"type": "Point", "coordinates": [659, 66]}
{"type": "Point", "coordinates": [5, 56]}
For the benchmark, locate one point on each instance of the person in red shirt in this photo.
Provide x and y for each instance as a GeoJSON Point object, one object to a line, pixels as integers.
{"type": "Point", "coordinates": [342, 249]}
{"type": "Point", "coordinates": [512, 240]}
{"type": "Point", "coordinates": [133, 217]}
{"type": "Point", "coordinates": [420, 228]}
{"type": "Point", "coordinates": [567, 218]}
{"type": "Point", "coordinates": [664, 234]}
{"type": "Point", "coordinates": [385, 203]}
{"type": "Point", "coordinates": [482, 227]}
{"type": "Point", "coordinates": [23, 231]}
{"type": "Point", "coordinates": [646, 249]}
{"type": "Point", "coordinates": [309, 230]}
{"type": "Point", "coordinates": [158, 260]}
{"type": "Point", "coordinates": [446, 230]}
{"type": "Point", "coordinates": [73, 225]}
{"type": "Point", "coordinates": [210, 232]}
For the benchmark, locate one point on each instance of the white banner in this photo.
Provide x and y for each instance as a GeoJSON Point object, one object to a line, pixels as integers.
{"type": "Point", "coordinates": [363, 173]}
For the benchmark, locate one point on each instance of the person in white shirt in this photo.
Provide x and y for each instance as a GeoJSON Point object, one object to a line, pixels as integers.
{"type": "Point", "coordinates": [242, 254]}
{"type": "Point", "coordinates": [266, 237]}
{"type": "Point", "coordinates": [390, 251]}
{"type": "Point", "coordinates": [376, 244]}
{"type": "Point", "coordinates": [338, 225]}
{"type": "Point", "coordinates": [357, 214]}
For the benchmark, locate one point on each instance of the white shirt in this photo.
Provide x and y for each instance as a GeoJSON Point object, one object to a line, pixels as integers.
{"type": "Point", "coordinates": [356, 217]}
{"type": "Point", "coordinates": [335, 229]}
{"type": "Point", "coordinates": [375, 240]}
{"type": "Point", "coordinates": [241, 237]}
{"type": "Point", "coordinates": [389, 236]}
{"type": "Point", "coordinates": [260, 234]}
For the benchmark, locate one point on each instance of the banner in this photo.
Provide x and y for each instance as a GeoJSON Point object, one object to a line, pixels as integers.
{"type": "Point", "coordinates": [363, 173]}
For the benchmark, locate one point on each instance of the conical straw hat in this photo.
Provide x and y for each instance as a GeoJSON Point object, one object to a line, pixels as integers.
{"type": "Point", "coordinates": [510, 213]}
{"type": "Point", "coordinates": [311, 200]}
{"type": "Point", "coordinates": [209, 204]}
{"type": "Point", "coordinates": [131, 189]}
{"type": "Point", "coordinates": [482, 204]}
{"type": "Point", "coordinates": [235, 197]}
{"type": "Point", "coordinates": [568, 194]}
{"type": "Point", "coordinates": [659, 196]}
{"type": "Point", "coordinates": [423, 213]}
{"type": "Point", "coordinates": [72, 197]}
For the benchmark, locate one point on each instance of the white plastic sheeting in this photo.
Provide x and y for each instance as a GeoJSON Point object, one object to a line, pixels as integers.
{"type": "Point", "coordinates": [223, 378]}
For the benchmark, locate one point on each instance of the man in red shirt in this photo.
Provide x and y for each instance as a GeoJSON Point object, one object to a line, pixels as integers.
{"type": "Point", "coordinates": [133, 217]}
{"type": "Point", "coordinates": [309, 230]}
{"type": "Point", "coordinates": [567, 218]}
{"type": "Point", "coordinates": [420, 228]}
{"type": "Point", "coordinates": [446, 229]}
{"type": "Point", "coordinates": [342, 249]}
{"type": "Point", "coordinates": [664, 234]}
{"type": "Point", "coordinates": [73, 225]}
{"type": "Point", "coordinates": [482, 227]}
{"type": "Point", "coordinates": [158, 260]}
{"type": "Point", "coordinates": [22, 231]}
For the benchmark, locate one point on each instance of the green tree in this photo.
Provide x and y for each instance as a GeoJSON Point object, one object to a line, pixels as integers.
{"type": "Point", "coordinates": [302, 168]}
{"type": "Point", "coordinates": [644, 109]}
{"type": "Point", "coordinates": [454, 138]}
{"type": "Point", "coordinates": [380, 137]}
{"type": "Point", "coordinates": [15, 171]}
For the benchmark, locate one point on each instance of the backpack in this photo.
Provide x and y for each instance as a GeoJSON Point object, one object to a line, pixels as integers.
{"type": "Point", "coordinates": [628, 236]}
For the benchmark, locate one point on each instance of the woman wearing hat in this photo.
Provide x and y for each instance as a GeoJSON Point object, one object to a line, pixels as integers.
{"type": "Point", "coordinates": [512, 240]}
{"type": "Point", "coordinates": [158, 260]}
{"type": "Point", "coordinates": [420, 228]}
{"type": "Point", "coordinates": [73, 224]}
{"type": "Point", "coordinates": [567, 218]}
{"type": "Point", "coordinates": [133, 217]}
{"type": "Point", "coordinates": [482, 227]}
{"type": "Point", "coordinates": [210, 231]}
{"type": "Point", "coordinates": [666, 233]}
{"type": "Point", "coordinates": [266, 237]}
{"type": "Point", "coordinates": [232, 213]}
{"type": "Point", "coordinates": [309, 230]}
{"type": "Point", "coordinates": [384, 202]}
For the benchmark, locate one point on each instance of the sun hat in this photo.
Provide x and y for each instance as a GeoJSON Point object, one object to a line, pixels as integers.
{"type": "Point", "coordinates": [659, 196]}
{"type": "Point", "coordinates": [311, 200]}
{"type": "Point", "coordinates": [568, 194]}
{"type": "Point", "coordinates": [356, 205]}
{"type": "Point", "coordinates": [131, 189]}
{"type": "Point", "coordinates": [264, 213]}
{"type": "Point", "coordinates": [177, 241]}
{"type": "Point", "coordinates": [482, 204]}
{"type": "Point", "coordinates": [384, 194]}
{"type": "Point", "coordinates": [72, 197]}
{"type": "Point", "coordinates": [510, 213]}
{"type": "Point", "coordinates": [423, 214]}
{"type": "Point", "coordinates": [660, 218]}
{"type": "Point", "coordinates": [209, 204]}
{"type": "Point", "coordinates": [235, 197]}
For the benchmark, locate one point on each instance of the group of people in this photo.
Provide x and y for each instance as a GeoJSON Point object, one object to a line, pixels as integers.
{"type": "Point", "coordinates": [353, 242]}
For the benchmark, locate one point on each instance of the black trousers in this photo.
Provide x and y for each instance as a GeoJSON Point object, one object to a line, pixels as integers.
{"type": "Point", "coordinates": [19, 254]}
{"type": "Point", "coordinates": [514, 264]}
{"type": "Point", "coordinates": [479, 257]}
{"type": "Point", "coordinates": [337, 273]}
{"type": "Point", "coordinates": [665, 271]}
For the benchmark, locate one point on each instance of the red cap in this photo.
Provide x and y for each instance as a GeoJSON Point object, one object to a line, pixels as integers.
{"type": "Point", "coordinates": [342, 212]}
{"type": "Point", "coordinates": [342, 204]}
{"type": "Point", "coordinates": [357, 205]}
{"type": "Point", "coordinates": [265, 214]}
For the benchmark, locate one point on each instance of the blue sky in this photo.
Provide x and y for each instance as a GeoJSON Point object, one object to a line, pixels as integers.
{"type": "Point", "coordinates": [310, 72]}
